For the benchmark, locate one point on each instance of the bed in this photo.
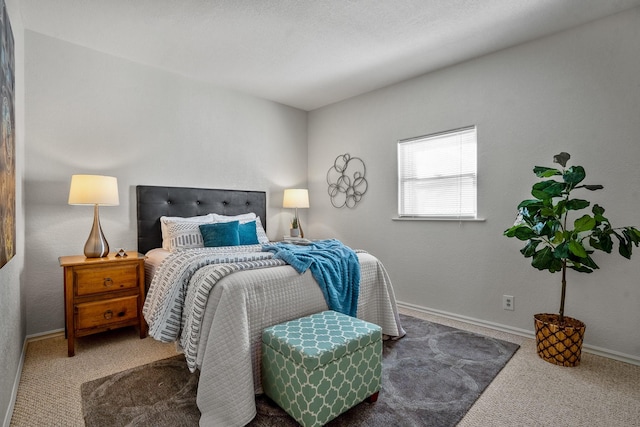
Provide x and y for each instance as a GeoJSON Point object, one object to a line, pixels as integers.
{"type": "Point", "coordinates": [215, 302]}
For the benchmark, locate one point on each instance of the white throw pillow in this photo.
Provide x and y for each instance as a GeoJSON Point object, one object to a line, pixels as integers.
{"type": "Point", "coordinates": [262, 235]}
{"type": "Point", "coordinates": [227, 218]}
{"type": "Point", "coordinates": [179, 232]}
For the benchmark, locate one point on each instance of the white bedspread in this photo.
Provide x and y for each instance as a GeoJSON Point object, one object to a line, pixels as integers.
{"type": "Point", "coordinates": [239, 306]}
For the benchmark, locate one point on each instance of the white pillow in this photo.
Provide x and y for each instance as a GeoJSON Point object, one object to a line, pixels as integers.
{"type": "Point", "coordinates": [244, 218]}
{"type": "Point", "coordinates": [227, 218]}
{"type": "Point", "coordinates": [262, 235]}
{"type": "Point", "coordinates": [179, 232]}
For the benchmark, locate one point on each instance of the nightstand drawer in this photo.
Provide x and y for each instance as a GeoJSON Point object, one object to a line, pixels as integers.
{"type": "Point", "coordinates": [104, 279]}
{"type": "Point", "coordinates": [102, 313]}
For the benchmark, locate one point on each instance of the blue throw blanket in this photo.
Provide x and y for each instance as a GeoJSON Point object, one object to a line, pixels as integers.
{"type": "Point", "coordinates": [334, 266]}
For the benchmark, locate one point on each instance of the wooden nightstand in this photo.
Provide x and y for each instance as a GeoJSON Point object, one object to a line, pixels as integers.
{"type": "Point", "coordinates": [101, 294]}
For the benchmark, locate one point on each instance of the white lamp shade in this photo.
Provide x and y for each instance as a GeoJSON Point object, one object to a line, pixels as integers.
{"type": "Point", "coordinates": [295, 198]}
{"type": "Point", "coordinates": [94, 190]}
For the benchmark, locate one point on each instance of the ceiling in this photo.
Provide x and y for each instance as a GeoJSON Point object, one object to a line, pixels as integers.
{"type": "Point", "coordinates": [306, 54]}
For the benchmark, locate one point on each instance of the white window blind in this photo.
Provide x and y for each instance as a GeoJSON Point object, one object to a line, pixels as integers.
{"type": "Point", "coordinates": [437, 175]}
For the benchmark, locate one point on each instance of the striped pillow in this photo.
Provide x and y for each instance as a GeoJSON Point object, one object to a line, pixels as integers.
{"type": "Point", "coordinates": [182, 233]}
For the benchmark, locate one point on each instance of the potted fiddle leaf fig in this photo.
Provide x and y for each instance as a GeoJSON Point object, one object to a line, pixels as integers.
{"type": "Point", "coordinates": [560, 235]}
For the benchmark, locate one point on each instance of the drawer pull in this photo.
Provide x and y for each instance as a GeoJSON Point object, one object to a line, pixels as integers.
{"type": "Point", "coordinates": [109, 314]}
{"type": "Point", "coordinates": [108, 281]}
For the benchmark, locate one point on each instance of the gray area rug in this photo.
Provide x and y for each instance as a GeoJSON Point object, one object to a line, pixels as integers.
{"type": "Point", "coordinates": [431, 377]}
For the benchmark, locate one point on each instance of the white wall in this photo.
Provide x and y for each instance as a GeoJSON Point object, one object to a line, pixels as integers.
{"type": "Point", "coordinates": [12, 315]}
{"type": "Point", "coordinates": [87, 112]}
{"type": "Point", "coordinates": [577, 91]}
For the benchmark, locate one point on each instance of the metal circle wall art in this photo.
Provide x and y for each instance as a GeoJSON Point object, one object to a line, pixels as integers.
{"type": "Point", "coordinates": [346, 179]}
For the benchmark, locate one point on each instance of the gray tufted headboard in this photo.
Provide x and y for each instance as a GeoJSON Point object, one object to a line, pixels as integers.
{"type": "Point", "coordinates": [154, 202]}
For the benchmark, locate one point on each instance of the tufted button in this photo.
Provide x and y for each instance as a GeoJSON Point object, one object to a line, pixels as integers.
{"type": "Point", "coordinates": [168, 202]}
{"type": "Point", "coordinates": [247, 204]}
{"type": "Point", "coordinates": [197, 202]}
{"type": "Point", "coordinates": [225, 203]}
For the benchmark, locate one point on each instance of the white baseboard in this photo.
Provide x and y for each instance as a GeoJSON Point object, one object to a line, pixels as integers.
{"type": "Point", "coordinates": [45, 335]}
{"type": "Point", "coordinates": [599, 351]}
{"type": "Point", "coordinates": [16, 384]}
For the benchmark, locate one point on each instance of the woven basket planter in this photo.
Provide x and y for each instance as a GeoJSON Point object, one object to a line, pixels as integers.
{"type": "Point", "coordinates": [560, 345]}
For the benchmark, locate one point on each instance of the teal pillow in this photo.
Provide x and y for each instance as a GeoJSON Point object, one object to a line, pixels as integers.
{"type": "Point", "coordinates": [248, 233]}
{"type": "Point", "coordinates": [220, 234]}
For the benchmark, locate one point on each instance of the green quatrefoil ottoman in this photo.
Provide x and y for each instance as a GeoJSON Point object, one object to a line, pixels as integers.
{"type": "Point", "coordinates": [319, 366]}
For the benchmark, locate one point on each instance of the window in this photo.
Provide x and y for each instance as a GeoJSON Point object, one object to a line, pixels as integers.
{"type": "Point", "coordinates": [437, 175]}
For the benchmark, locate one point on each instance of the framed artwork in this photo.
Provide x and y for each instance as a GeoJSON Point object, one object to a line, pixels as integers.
{"type": "Point", "coordinates": [347, 182]}
{"type": "Point", "coordinates": [7, 141]}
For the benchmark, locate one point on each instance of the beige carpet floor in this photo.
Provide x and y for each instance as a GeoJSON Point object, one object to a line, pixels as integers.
{"type": "Point", "coordinates": [527, 392]}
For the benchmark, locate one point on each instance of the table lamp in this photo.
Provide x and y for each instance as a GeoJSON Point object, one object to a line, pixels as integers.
{"type": "Point", "coordinates": [296, 198]}
{"type": "Point", "coordinates": [94, 190]}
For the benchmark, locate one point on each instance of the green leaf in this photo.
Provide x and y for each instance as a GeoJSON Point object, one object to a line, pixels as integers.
{"type": "Point", "coordinates": [633, 234]}
{"type": "Point", "coordinates": [574, 175]}
{"type": "Point", "coordinates": [577, 204]}
{"type": "Point", "coordinates": [558, 237]}
{"type": "Point", "coordinates": [547, 189]}
{"type": "Point", "coordinates": [625, 247]}
{"type": "Point", "coordinates": [589, 262]}
{"type": "Point", "coordinates": [561, 158]}
{"type": "Point", "coordinates": [560, 208]}
{"type": "Point", "coordinates": [544, 260]}
{"type": "Point", "coordinates": [601, 241]}
{"type": "Point", "coordinates": [628, 240]}
{"type": "Point", "coordinates": [554, 226]}
{"type": "Point", "coordinates": [548, 212]}
{"type": "Point", "coordinates": [597, 209]}
{"type": "Point", "coordinates": [581, 268]}
{"type": "Point", "coordinates": [577, 249]}
{"type": "Point", "coordinates": [530, 248]}
{"type": "Point", "coordinates": [544, 229]}
{"type": "Point", "coordinates": [544, 172]}
{"type": "Point", "coordinates": [597, 214]}
{"type": "Point", "coordinates": [562, 250]}
{"type": "Point", "coordinates": [528, 208]}
{"type": "Point", "coordinates": [591, 187]}
{"type": "Point", "coordinates": [527, 217]}
{"type": "Point", "coordinates": [584, 223]}
{"type": "Point", "coordinates": [521, 232]}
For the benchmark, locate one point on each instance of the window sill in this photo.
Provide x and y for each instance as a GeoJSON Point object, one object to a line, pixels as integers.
{"type": "Point", "coordinates": [436, 218]}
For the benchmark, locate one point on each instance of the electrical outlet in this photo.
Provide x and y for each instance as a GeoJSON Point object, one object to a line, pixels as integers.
{"type": "Point", "coordinates": [508, 302]}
